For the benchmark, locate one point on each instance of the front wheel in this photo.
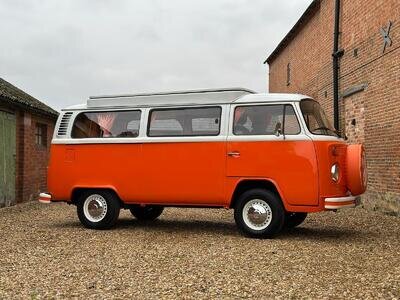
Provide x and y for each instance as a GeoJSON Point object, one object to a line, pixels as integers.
{"type": "Point", "coordinates": [259, 213]}
{"type": "Point", "coordinates": [98, 209]}
{"type": "Point", "coordinates": [146, 213]}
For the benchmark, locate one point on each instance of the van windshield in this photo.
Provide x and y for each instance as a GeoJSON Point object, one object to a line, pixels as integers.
{"type": "Point", "coordinates": [316, 119]}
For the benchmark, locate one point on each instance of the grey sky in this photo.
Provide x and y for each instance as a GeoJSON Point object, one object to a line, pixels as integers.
{"type": "Point", "coordinates": [62, 51]}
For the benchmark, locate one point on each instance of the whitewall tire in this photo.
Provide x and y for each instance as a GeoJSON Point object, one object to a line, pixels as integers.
{"type": "Point", "coordinates": [98, 209]}
{"type": "Point", "coordinates": [259, 213]}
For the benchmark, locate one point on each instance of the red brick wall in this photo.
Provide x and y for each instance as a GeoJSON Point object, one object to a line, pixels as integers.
{"type": "Point", "coordinates": [32, 174]}
{"type": "Point", "coordinates": [31, 159]}
{"type": "Point", "coordinates": [376, 110]}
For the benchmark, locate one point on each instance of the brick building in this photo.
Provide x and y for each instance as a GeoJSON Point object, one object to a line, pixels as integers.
{"type": "Point", "coordinates": [369, 80]}
{"type": "Point", "coordinates": [26, 129]}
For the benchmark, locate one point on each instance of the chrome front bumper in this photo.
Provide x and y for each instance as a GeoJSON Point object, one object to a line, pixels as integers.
{"type": "Point", "coordinates": [44, 198]}
{"type": "Point", "coordinates": [342, 202]}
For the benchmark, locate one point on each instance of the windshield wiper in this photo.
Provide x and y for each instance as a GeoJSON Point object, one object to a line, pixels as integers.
{"type": "Point", "coordinates": [327, 129]}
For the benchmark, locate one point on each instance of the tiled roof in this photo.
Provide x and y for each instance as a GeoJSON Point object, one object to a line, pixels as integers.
{"type": "Point", "coordinates": [14, 95]}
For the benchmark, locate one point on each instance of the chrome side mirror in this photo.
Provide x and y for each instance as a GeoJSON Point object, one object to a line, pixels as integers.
{"type": "Point", "coordinates": [278, 129]}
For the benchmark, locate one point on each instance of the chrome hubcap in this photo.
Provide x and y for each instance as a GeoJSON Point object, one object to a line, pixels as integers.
{"type": "Point", "coordinates": [95, 208]}
{"type": "Point", "coordinates": [257, 214]}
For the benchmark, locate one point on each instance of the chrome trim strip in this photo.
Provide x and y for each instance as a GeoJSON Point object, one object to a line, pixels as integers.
{"type": "Point", "coordinates": [268, 138]}
{"type": "Point", "coordinates": [341, 199]}
{"type": "Point", "coordinates": [354, 199]}
{"type": "Point", "coordinates": [140, 140]}
{"type": "Point", "coordinates": [44, 201]}
{"type": "Point", "coordinates": [45, 195]}
{"type": "Point", "coordinates": [183, 139]}
{"type": "Point", "coordinates": [44, 198]}
{"type": "Point", "coordinates": [325, 138]}
{"type": "Point", "coordinates": [340, 206]}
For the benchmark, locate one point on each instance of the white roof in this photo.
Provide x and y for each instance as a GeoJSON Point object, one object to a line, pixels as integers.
{"type": "Point", "coordinates": [189, 97]}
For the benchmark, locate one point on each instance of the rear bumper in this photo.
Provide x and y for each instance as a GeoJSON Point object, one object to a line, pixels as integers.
{"type": "Point", "coordinates": [45, 198]}
{"type": "Point", "coordinates": [342, 202]}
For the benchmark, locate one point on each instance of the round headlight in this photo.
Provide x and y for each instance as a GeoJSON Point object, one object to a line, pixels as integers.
{"type": "Point", "coordinates": [335, 172]}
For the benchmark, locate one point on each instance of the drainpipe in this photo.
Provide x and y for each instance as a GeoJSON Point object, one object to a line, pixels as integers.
{"type": "Point", "coordinates": [336, 55]}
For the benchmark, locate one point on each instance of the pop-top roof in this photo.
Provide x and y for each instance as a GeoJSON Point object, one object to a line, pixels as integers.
{"type": "Point", "coordinates": [205, 96]}
{"type": "Point", "coordinates": [184, 98]}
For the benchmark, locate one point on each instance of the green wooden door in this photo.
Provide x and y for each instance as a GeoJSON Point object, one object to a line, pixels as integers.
{"type": "Point", "coordinates": [7, 159]}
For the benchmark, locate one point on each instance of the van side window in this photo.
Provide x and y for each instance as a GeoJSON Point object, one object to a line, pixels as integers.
{"type": "Point", "coordinates": [292, 126]}
{"type": "Point", "coordinates": [111, 124]}
{"type": "Point", "coordinates": [264, 119]}
{"type": "Point", "coordinates": [204, 121]}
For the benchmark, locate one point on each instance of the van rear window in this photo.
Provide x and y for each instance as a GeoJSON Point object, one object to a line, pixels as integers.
{"type": "Point", "coordinates": [110, 124]}
{"type": "Point", "coordinates": [203, 121]}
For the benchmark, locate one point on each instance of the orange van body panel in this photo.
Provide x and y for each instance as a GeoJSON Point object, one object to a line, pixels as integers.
{"type": "Point", "coordinates": [328, 153]}
{"type": "Point", "coordinates": [183, 173]}
{"type": "Point", "coordinates": [200, 173]}
{"type": "Point", "coordinates": [175, 173]}
{"type": "Point", "coordinates": [233, 182]}
{"type": "Point", "coordinates": [93, 166]}
{"type": "Point", "coordinates": [291, 165]}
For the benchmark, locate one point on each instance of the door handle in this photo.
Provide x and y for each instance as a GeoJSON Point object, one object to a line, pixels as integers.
{"type": "Point", "coordinates": [234, 154]}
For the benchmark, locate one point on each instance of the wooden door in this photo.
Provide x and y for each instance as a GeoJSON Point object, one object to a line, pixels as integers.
{"type": "Point", "coordinates": [7, 158]}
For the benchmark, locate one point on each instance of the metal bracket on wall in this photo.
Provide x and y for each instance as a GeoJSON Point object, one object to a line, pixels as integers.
{"type": "Point", "coordinates": [385, 32]}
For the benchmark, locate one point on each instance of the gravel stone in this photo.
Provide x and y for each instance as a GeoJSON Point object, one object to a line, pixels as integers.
{"type": "Point", "coordinates": [196, 253]}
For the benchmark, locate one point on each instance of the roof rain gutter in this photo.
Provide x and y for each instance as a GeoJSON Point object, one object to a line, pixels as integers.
{"type": "Point", "coordinates": [336, 55]}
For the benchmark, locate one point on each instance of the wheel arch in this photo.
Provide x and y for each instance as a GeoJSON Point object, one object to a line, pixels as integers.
{"type": "Point", "coordinates": [78, 191]}
{"type": "Point", "coordinates": [247, 184]}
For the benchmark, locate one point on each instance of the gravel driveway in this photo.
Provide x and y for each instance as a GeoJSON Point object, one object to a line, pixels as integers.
{"type": "Point", "coordinates": [196, 253]}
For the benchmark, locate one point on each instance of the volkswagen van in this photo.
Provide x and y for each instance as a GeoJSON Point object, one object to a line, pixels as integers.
{"type": "Point", "coordinates": [273, 158]}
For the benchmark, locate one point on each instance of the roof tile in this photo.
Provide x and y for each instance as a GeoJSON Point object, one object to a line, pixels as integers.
{"type": "Point", "coordinates": [12, 94]}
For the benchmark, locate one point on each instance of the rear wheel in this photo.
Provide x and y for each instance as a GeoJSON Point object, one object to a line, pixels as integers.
{"type": "Point", "coordinates": [294, 219]}
{"type": "Point", "coordinates": [146, 213]}
{"type": "Point", "coordinates": [98, 209]}
{"type": "Point", "coordinates": [259, 213]}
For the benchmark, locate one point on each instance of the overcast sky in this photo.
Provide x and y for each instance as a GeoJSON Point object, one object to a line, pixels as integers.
{"type": "Point", "coordinates": [62, 51]}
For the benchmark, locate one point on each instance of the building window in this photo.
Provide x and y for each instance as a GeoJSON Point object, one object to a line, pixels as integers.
{"type": "Point", "coordinates": [288, 74]}
{"type": "Point", "coordinates": [41, 134]}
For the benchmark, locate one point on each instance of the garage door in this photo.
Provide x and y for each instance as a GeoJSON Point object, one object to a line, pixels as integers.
{"type": "Point", "coordinates": [7, 158]}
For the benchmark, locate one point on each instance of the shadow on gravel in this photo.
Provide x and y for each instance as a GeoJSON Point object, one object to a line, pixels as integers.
{"type": "Point", "coordinates": [185, 226]}
{"type": "Point", "coordinates": [224, 229]}
{"type": "Point", "coordinates": [317, 233]}
{"type": "Point", "coordinates": [168, 226]}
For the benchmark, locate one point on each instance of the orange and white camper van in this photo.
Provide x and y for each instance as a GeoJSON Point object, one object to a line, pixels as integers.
{"type": "Point", "coordinates": [273, 158]}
